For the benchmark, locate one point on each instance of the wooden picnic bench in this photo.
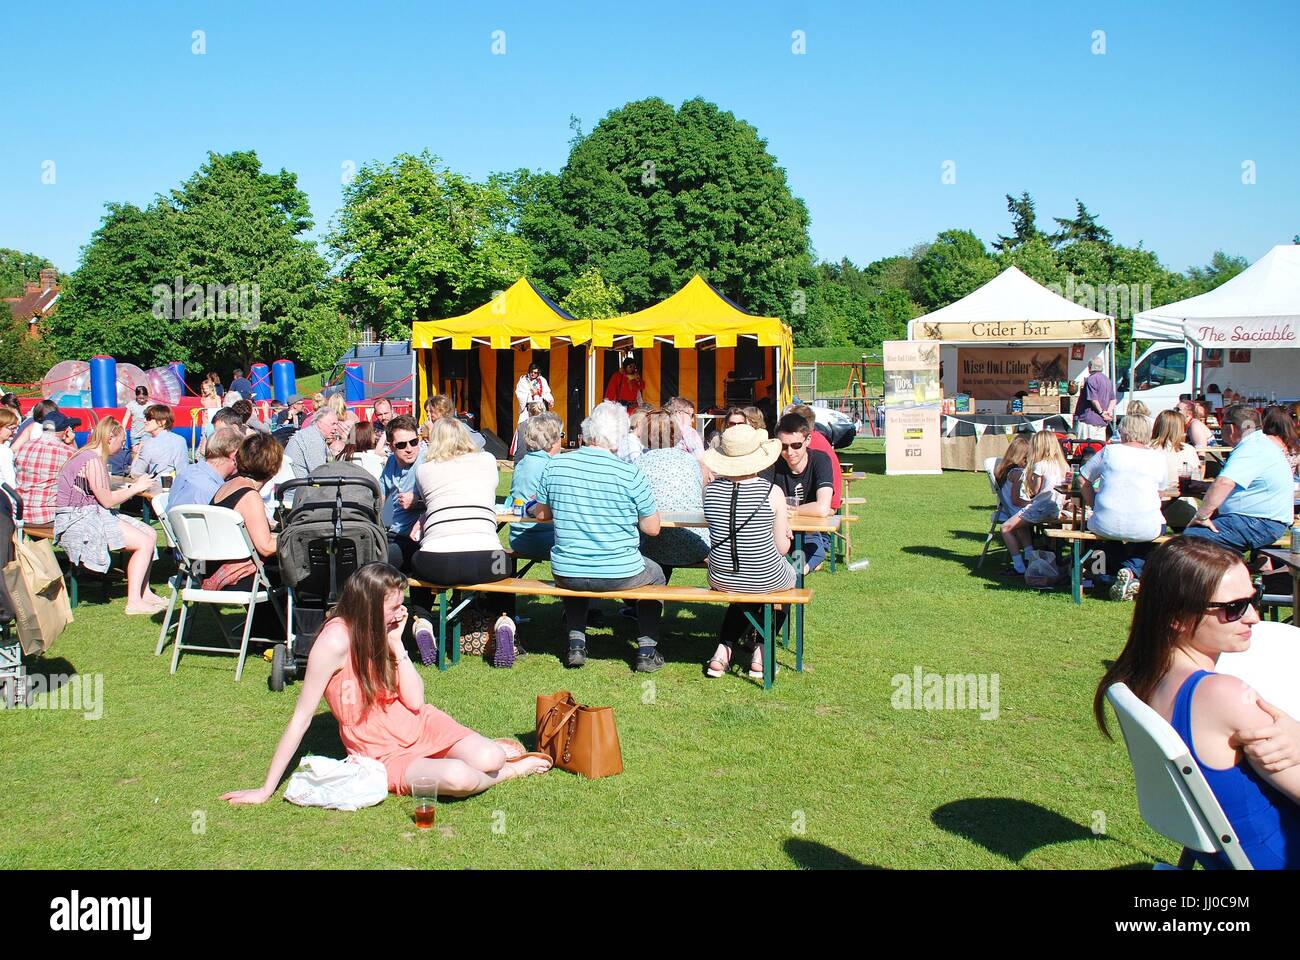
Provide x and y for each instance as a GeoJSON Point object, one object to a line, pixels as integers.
{"type": "Point", "coordinates": [448, 615]}
{"type": "Point", "coordinates": [45, 531]}
{"type": "Point", "coordinates": [1079, 554]}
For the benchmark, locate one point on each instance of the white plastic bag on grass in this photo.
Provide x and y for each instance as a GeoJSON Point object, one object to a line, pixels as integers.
{"type": "Point", "coordinates": [338, 784]}
{"type": "Point", "coordinates": [1042, 571]}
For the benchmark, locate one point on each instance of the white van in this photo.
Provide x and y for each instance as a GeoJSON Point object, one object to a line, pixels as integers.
{"type": "Point", "coordinates": [1165, 372]}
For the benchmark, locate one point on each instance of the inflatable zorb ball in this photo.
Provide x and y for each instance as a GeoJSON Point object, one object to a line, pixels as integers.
{"type": "Point", "coordinates": [164, 386]}
{"type": "Point", "coordinates": [129, 376]}
{"type": "Point", "coordinates": [66, 378]}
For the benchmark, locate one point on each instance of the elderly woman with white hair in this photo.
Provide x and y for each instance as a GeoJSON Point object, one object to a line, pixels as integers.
{"type": "Point", "coordinates": [599, 506]}
{"type": "Point", "coordinates": [541, 434]}
{"type": "Point", "coordinates": [1126, 503]}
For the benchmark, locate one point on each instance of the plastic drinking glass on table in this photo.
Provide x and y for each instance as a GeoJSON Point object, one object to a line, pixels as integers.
{"type": "Point", "coordinates": [424, 791]}
{"type": "Point", "coordinates": [792, 503]}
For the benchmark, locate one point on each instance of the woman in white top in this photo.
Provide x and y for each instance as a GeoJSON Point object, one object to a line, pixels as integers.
{"type": "Point", "coordinates": [1126, 506]}
{"type": "Point", "coordinates": [458, 534]}
{"type": "Point", "coordinates": [533, 388]}
{"type": "Point", "coordinates": [1180, 461]}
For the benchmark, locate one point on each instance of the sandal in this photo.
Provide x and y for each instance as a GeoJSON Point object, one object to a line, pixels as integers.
{"type": "Point", "coordinates": [717, 667]}
{"type": "Point", "coordinates": [756, 663]}
{"type": "Point", "coordinates": [513, 748]}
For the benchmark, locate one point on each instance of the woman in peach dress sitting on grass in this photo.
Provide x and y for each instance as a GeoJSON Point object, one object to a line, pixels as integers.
{"type": "Point", "coordinates": [361, 667]}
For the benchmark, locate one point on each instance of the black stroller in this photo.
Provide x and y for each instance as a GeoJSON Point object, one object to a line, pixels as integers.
{"type": "Point", "coordinates": [331, 530]}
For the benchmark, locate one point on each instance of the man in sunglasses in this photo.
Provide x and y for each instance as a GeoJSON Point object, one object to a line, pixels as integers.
{"type": "Point", "coordinates": [402, 506]}
{"type": "Point", "coordinates": [804, 476]}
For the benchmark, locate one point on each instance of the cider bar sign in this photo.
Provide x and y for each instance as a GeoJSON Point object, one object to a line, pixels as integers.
{"type": "Point", "coordinates": [912, 400]}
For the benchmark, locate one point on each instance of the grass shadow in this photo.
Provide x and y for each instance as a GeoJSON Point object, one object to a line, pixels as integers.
{"type": "Point", "coordinates": [810, 855]}
{"type": "Point", "coordinates": [1008, 827]}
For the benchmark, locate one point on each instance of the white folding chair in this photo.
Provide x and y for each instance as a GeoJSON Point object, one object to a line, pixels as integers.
{"type": "Point", "coordinates": [177, 580]}
{"type": "Point", "coordinates": [990, 465]}
{"type": "Point", "coordinates": [212, 535]}
{"type": "Point", "coordinates": [1173, 797]}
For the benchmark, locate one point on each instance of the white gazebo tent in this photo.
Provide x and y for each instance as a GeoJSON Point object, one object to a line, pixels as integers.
{"type": "Point", "coordinates": [1258, 309]}
{"type": "Point", "coordinates": [1013, 310]}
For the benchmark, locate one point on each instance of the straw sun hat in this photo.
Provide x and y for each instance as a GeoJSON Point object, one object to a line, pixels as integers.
{"type": "Point", "coordinates": [743, 451]}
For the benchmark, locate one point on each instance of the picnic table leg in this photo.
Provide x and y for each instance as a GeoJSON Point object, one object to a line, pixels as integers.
{"type": "Point", "coordinates": [442, 630]}
{"type": "Point", "coordinates": [1076, 564]}
{"type": "Point", "coordinates": [798, 582]}
{"type": "Point", "coordinates": [455, 638]}
{"type": "Point", "coordinates": [785, 633]}
{"type": "Point", "coordinates": [769, 649]}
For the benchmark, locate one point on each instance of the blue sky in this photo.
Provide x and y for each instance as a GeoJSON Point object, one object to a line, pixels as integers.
{"type": "Point", "coordinates": [1152, 134]}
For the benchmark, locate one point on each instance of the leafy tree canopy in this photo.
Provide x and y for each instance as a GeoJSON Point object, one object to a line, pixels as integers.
{"type": "Point", "coordinates": [16, 268]}
{"type": "Point", "coordinates": [417, 241]}
{"type": "Point", "coordinates": [214, 272]}
{"type": "Point", "coordinates": [655, 194]}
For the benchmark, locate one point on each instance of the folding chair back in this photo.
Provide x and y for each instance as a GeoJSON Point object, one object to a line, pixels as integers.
{"type": "Point", "coordinates": [160, 508]}
{"type": "Point", "coordinates": [990, 467]}
{"type": "Point", "coordinates": [206, 533]}
{"type": "Point", "coordinates": [1173, 797]}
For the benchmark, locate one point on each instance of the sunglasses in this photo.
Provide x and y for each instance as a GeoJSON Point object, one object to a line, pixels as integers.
{"type": "Point", "coordinates": [403, 444]}
{"type": "Point", "coordinates": [798, 445]}
{"type": "Point", "coordinates": [737, 423]}
{"type": "Point", "coordinates": [1233, 610]}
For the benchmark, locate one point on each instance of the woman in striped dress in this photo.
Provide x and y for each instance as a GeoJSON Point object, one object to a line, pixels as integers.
{"type": "Point", "coordinates": [749, 528]}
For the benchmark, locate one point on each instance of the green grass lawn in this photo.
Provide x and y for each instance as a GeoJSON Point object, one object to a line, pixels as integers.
{"type": "Point", "coordinates": [821, 771]}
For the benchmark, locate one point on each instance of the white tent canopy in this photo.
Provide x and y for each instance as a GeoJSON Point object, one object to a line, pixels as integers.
{"type": "Point", "coordinates": [1010, 297]}
{"type": "Point", "coordinates": [1259, 308]}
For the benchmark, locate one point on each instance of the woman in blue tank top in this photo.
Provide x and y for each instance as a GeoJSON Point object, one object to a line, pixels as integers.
{"type": "Point", "coordinates": [1196, 603]}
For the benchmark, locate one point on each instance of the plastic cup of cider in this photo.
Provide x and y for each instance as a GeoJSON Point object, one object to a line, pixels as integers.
{"type": "Point", "coordinates": [424, 791]}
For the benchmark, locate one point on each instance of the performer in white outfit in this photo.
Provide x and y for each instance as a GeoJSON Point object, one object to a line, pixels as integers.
{"type": "Point", "coordinates": [533, 388]}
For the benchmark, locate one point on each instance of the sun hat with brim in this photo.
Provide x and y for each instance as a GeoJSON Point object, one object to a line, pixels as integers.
{"type": "Point", "coordinates": [743, 451]}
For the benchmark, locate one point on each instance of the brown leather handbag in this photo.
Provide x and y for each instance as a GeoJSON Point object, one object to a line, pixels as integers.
{"type": "Point", "coordinates": [578, 739]}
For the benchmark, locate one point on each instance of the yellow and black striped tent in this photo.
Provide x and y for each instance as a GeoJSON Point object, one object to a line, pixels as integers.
{"type": "Point", "coordinates": [477, 358]}
{"type": "Point", "coordinates": [697, 344]}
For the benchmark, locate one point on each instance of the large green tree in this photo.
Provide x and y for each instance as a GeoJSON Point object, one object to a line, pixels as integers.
{"type": "Point", "coordinates": [415, 240]}
{"type": "Point", "coordinates": [16, 268]}
{"type": "Point", "coordinates": [954, 265]}
{"type": "Point", "coordinates": [1024, 227]}
{"type": "Point", "coordinates": [655, 194]}
{"type": "Point", "coordinates": [229, 240]}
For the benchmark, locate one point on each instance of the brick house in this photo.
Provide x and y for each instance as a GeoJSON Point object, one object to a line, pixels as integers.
{"type": "Point", "coordinates": [37, 302]}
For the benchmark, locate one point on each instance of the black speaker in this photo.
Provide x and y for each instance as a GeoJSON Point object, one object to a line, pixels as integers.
{"type": "Point", "coordinates": [749, 359]}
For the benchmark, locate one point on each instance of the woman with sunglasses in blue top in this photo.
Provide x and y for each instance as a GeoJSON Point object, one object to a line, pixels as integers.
{"type": "Point", "coordinates": [1197, 601]}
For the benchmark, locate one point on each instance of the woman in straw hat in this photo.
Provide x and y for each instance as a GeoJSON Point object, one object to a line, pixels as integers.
{"type": "Point", "coordinates": [749, 528]}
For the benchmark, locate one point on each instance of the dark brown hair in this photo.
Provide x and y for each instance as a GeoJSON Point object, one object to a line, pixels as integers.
{"type": "Point", "coordinates": [361, 439]}
{"type": "Point", "coordinates": [1178, 581]}
{"type": "Point", "coordinates": [1278, 423]}
{"type": "Point", "coordinates": [361, 607]}
{"type": "Point", "coordinates": [259, 457]}
{"type": "Point", "coordinates": [160, 413]}
{"type": "Point", "coordinates": [793, 423]}
{"type": "Point", "coordinates": [404, 422]}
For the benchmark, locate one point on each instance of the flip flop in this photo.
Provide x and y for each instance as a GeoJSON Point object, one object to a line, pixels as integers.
{"type": "Point", "coordinates": [539, 756]}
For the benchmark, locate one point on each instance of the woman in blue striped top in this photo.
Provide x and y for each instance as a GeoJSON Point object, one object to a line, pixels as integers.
{"type": "Point", "coordinates": [749, 528]}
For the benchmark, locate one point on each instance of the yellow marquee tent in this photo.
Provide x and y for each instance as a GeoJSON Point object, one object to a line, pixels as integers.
{"type": "Point", "coordinates": [696, 343]}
